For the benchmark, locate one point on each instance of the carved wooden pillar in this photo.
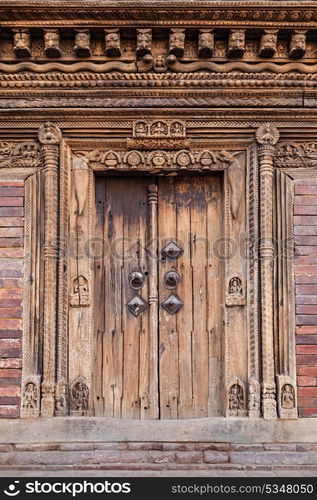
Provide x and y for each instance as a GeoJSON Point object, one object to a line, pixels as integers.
{"type": "Point", "coordinates": [50, 136]}
{"type": "Point", "coordinates": [267, 136]}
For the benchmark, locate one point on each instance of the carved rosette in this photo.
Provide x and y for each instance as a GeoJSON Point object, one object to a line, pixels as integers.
{"type": "Point", "coordinates": [50, 136]}
{"type": "Point", "coordinates": [267, 136]}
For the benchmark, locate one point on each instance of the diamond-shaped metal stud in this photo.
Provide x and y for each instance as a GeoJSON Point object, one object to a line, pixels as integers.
{"type": "Point", "coordinates": [137, 305]}
{"type": "Point", "coordinates": [172, 251]}
{"type": "Point", "coordinates": [172, 304]}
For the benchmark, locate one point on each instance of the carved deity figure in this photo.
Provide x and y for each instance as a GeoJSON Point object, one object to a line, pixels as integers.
{"type": "Point", "coordinates": [253, 397]}
{"type": "Point", "coordinates": [79, 397]}
{"type": "Point", "coordinates": [177, 42]}
{"type": "Point", "coordinates": [268, 44]}
{"type": "Point", "coordinates": [298, 44]}
{"type": "Point", "coordinates": [112, 39]}
{"type": "Point", "coordinates": [235, 286]}
{"type": "Point", "coordinates": [82, 43]}
{"type": "Point", "coordinates": [141, 128]}
{"type": "Point", "coordinates": [176, 128]}
{"type": "Point", "coordinates": [205, 43]}
{"type": "Point", "coordinates": [22, 42]}
{"type": "Point", "coordinates": [236, 44]}
{"type": "Point", "coordinates": [144, 42]}
{"type": "Point", "coordinates": [51, 43]}
{"type": "Point", "coordinates": [160, 63]}
{"type": "Point", "coordinates": [236, 398]}
{"type": "Point", "coordinates": [30, 396]}
{"type": "Point", "coordinates": [288, 397]}
{"type": "Point", "coordinates": [159, 129]}
{"type": "Point", "coordinates": [80, 295]}
{"type": "Point", "coordinates": [61, 401]}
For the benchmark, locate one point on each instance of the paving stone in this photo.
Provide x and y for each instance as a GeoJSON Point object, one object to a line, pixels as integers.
{"type": "Point", "coordinates": [215, 456]}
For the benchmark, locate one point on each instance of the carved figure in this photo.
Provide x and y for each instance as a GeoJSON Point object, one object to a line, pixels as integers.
{"type": "Point", "coordinates": [298, 44]}
{"type": "Point", "coordinates": [80, 294]}
{"type": "Point", "coordinates": [30, 396]}
{"type": "Point", "coordinates": [288, 397]}
{"type": "Point", "coordinates": [160, 63]}
{"type": "Point", "coordinates": [112, 39]}
{"type": "Point", "coordinates": [22, 42]}
{"type": "Point", "coordinates": [82, 43]}
{"type": "Point", "coordinates": [205, 43]}
{"type": "Point", "coordinates": [268, 44]}
{"type": "Point", "coordinates": [235, 286]}
{"type": "Point", "coordinates": [51, 43]}
{"type": "Point", "coordinates": [79, 398]}
{"type": "Point", "coordinates": [144, 41]}
{"type": "Point", "coordinates": [236, 44]}
{"type": "Point", "coordinates": [254, 398]}
{"type": "Point", "coordinates": [159, 129]}
{"type": "Point", "coordinates": [177, 42]}
{"type": "Point", "coordinates": [236, 399]}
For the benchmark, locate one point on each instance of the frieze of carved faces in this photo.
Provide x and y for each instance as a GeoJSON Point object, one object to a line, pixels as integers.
{"type": "Point", "coordinates": [22, 42]}
{"type": "Point", "coordinates": [51, 43]}
{"type": "Point", "coordinates": [177, 42]}
{"type": "Point", "coordinates": [205, 43]}
{"type": "Point", "coordinates": [112, 41]}
{"type": "Point", "coordinates": [268, 44]}
{"type": "Point", "coordinates": [144, 42]}
{"type": "Point", "coordinates": [298, 44]}
{"type": "Point", "coordinates": [236, 43]}
{"type": "Point", "coordinates": [82, 43]}
{"type": "Point", "coordinates": [159, 128]}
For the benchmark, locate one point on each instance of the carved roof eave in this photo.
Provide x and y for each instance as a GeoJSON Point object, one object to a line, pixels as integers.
{"type": "Point", "coordinates": [165, 13]}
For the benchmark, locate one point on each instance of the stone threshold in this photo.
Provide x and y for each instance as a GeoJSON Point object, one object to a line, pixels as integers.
{"type": "Point", "coordinates": [214, 430]}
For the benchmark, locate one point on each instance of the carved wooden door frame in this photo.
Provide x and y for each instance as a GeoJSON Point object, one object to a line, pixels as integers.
{"type": "Point", "coordinates": [52, 184]}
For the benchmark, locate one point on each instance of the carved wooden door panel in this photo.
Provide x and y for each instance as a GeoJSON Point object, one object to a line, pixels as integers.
{"type": "Point", "coordinates": [158, 298]}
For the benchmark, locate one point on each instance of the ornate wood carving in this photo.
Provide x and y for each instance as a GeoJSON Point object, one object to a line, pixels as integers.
{"type": "Point", "coordinates": [236, 44]}
{"type": "Point", "coordinates": [205, 43]}
{"type": "Point", "coordinates": [268, 45]}
{"type": "Point", "coordinates": [177, 42]}
{"type": "Point", "coordinates": [267, 136]}
{"type": "Point", "coordinates": [50, 138]}
{"type": "Point", "coordinates": [22, 42]}
{"type": "Point", "coordinates": [298, 44]}
{"type": "Point", "coordinates": [113, 45]}
{"type": "Point", "coordinates": [51, 43]}
{"type": "Point", "coordinates": [82, 43]}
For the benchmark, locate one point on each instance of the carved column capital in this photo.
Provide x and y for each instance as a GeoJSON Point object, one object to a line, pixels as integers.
{"type": "Point", "coordinates": [49, 133]}
{"type": "Point", "coordinates": [267, 135]}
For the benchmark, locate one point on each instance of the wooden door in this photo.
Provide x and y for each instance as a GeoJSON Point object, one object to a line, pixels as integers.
{"type": "Point", "coordinates": [158, 297]}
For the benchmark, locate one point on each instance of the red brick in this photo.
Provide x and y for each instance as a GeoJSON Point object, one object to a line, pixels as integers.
{"type": "Point", "coordinates": [305, 210]}
{"type": "Point", "coordinates": [307, 412]}
{"type": "Point", "coordinates": [305, 260]}
{"type": "Point", "coordinates": [10, 390]}
{"type": "Point", "coordinates": [306, 349]}
{"type": "Point", "coordinates": [189, 457]}
{"type": "Point", "coordinates": [307, 402]}
{"type": "Point", "coordinates": [11, 232]}
{"type": "Point", "coordinates": [10, 302]}
{"type": "Point", "coordinates": [305, 200]}
{"type": "Point", "coordinates": [10, 348]}
{"type": "Point", "coordinates": [10, 334]}
{"type": "Point", "coordinates": [10, 273]}
{"type": "Point", "coordinates": [11, 191]}
{"type": "Point", "coordinates": [306, 289]}
{"type": "Point", "coordinates": [11, 253]}
{"type": "Point", "coordinates": [11, 293]}
{"type": "Point", "coordinates": [8, 400]}
{"type": "Point", "coordinates": [161, 457]}
{"type": "Point", "coordinates": [10, 382]}
{"type": "Point", "coordinates": [305, 189]}
{"type": "Point", "coordinates": [306, 299]}
{"type": "Point", "coordinates": [19, 221]}
{"type": "Point", "coordinates": [306, 359]}
{"type": "Point", "coordinates": [213, 457]}
{"type": "Point", "coordinates": [306, 269]}
{"type": "Point", "coordinates": [11, 242]}
{"type": "Point", "coordinates": [306, 339]}
{"type": "Point", "coordinates": [303, 279]}
{"type": "Point", "coordinates": [11, 211]}
{"type": "Point", "coordinates": [11, 183]}
{"type": "Point", "coordinates": [145, 446]}
{"type": "Point", "coordinates": [10, 373]}
{"type": "Point", "coordinates": [302, 220]}
{"type": "Point", "coordinates": [304, 330]}
{"type": "Point", "coordinates": [307, 392]}
{"type": "Point", "coordinates": [10, 324]}
{"type": "Point", "coordinates": [304, 230]}
{"type": "Point", "coordinates": [9, 411]}
{"type": "Point", "coordinates": [11, 313]}
{"type": "Point", "coordinates": [306, 381]}
{"type": "Point", "coordinates": [308, 319]}
{"type": "Point", "coordinates": [307, 370]}
{"type": "Point", "coordinates": [305, 250]}
{"type": "Point", "coordinates": [11, 201]}
{"type": "Point", "coordinates": [11, 283]}
{"type": "Point", "coordinates": [11, 363]}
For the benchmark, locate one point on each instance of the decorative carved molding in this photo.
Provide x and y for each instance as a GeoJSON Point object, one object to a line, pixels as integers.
{"type": "Point", "coordinates": [296, 155]}
{"type": "Point", "coordinates": [267, 136]}
{"type": "Point", "coordinates": [20, 155]}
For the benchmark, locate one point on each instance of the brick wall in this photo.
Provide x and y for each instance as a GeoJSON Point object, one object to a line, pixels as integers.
{"type": "Point", "coordinates": [305, 228]}
{"type": "Point", "coordinates": [11, 262]}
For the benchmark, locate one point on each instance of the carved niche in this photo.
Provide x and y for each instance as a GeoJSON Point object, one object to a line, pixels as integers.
{"type": "Point", "coordinates": [177, 42]}
{"type": "Point", "coordinates": [80, 292]}
{"type": "Point", "coordinates": [205, 43]}
{"type": "Point", "coordinates": [112, 40]}
{"type": "Point", "coordinates": [235, 295]}
{"type": "Point", "coordinates": [22, 42]}
{"type": "Point", "coordinates": [82, 43]}
{"type": "Point", "coordinates": [286, 398]}
{"type": "Point", "coordinates": [61, 399]}
{"type": "Point", "coordinates": [236, 398]}
{"type": "Point", "coordinates": [254, 401]}
{"type": "Point", "coordinates": [144, 42]}
{"type": "Point", "coordinates": [268, 44]}
{"type": "Point", "coordinates": [79, 398]}
{"type": "Point", "coordinates": [31, 396]}
{"type": "Point", "coordinates": [158, 134]}
{"type": "Point", "coordinates": [51, 43]}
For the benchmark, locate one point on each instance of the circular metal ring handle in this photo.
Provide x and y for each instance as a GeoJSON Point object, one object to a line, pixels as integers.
{"type": "Point", "coordinates": [136, 280]}
{"type": "Point", "coordinates": [171, 280]}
